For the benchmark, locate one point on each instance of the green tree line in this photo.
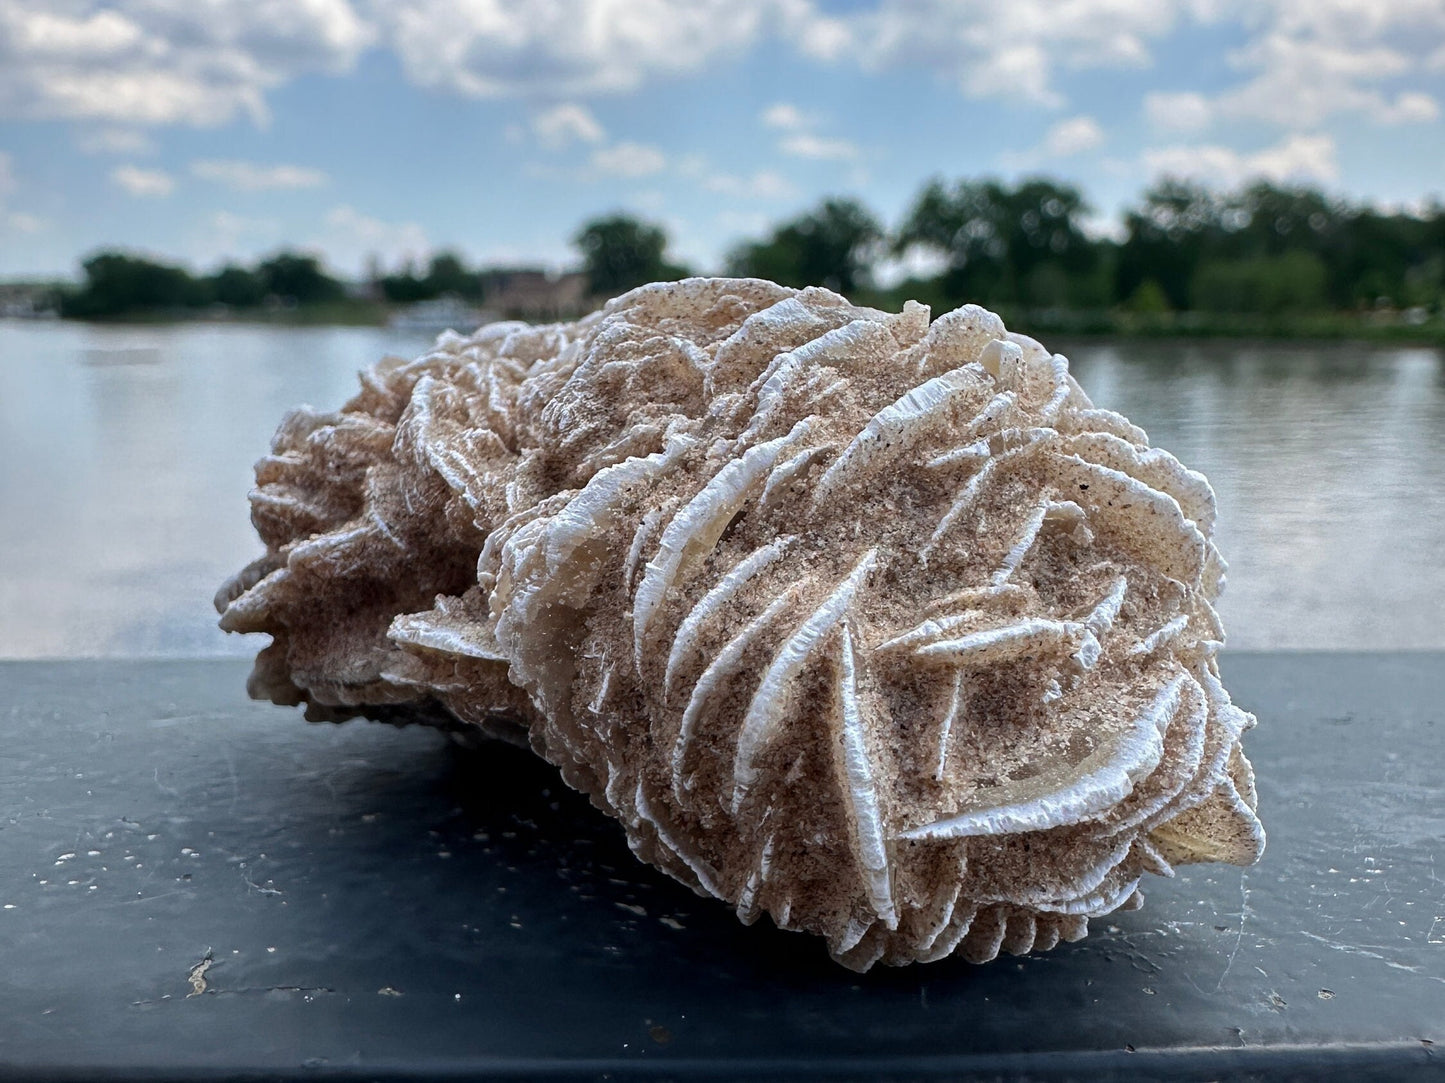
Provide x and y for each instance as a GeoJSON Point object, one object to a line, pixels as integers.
{"type": "Point", "coordinates": [617, 251]}
{"type": "Point", "coordinates": [1261, 250]}
{"type": "Point", "coordinates": [120, 283]}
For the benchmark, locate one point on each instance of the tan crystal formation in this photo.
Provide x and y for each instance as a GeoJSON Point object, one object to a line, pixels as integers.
{"type": "Point", "coordinates": [873, 625]}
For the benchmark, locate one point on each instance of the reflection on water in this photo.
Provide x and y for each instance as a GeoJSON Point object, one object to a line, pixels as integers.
{"type": "Point", "coordinates": [1329, 464]}
{"type": "Point", "coordinates": [127, 454]}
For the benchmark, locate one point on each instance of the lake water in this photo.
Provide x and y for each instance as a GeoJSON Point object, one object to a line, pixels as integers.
{"type": "Point", "coordinates": [127, 456]}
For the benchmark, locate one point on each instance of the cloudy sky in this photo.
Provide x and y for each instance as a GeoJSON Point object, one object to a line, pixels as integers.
{"type": "Point", "coordinates": [212, 129]}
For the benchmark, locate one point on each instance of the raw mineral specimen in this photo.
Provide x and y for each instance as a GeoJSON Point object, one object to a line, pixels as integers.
{"type": "Point", "coordinates": [874, 625]}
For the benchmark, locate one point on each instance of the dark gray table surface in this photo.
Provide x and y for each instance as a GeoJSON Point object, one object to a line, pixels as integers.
{"type": "Point", "coordinates": [376, 903]}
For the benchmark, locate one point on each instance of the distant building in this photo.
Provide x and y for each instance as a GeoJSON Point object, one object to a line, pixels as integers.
{"type": "Point", "coordinates": [531, 294]}
{"type": "Point", "coordinates": [27, 300]}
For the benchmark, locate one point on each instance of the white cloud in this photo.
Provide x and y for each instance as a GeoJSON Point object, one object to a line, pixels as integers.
{"type": "Point", "coordinates": [1063, 140]}
{"type": "Point", "coordinates": [1306, 62]}
{"type": "Point", "coordinates": [1073, 136]}
{"type": "Point", "coordinates": [140, 62]}
{"type": "Point", "coordinates": [628, 160]}
{"type": "Point", "coordinates": [785, 116]}
{"type": "Point", "coordinates": [1306, 78]}
{"type": "Point", "coordinates": [232, 227]}
{"type": "Point", "coordinates": [251, 177]}
{"type": "Point", "coordinates": [143, 182]}
{"type": "Point", "coordinates": [764, 184]}
{"type": "Point", "coordinates": [115, 141]}
{"type": "Point", "coordinates": [915, 262]}
{"type": "Point", "coordinates": [1296, 158]}
{"type": "Point", "coordinates": [798, 137]}
{"type": "Point", "coordinates": [624, 159]}
{"type": "Point", "coordinates": [1179, 111]}
{"type": "Point", "coordinates": [1302, 61]}
{"type": "Point", "coordinates": [1009, 50]}
{"type": "Point", "coordinates": [95, 36]}
{"type": "Point", "coordinates": [166, 61]}
{"type": "Point", "coordinates": [7, 176]}
{"type": "Point", "coordinates": [692, 165]}
{"type": "Point", "coordinates": [570, 47]}
{"type": "Point", "coordinates": [351, 238]}
{"type": "Point", "coordinates": [21, 222]}
{"type": "Point", "coordinates": [566, 123]}
{"type": "Point", "coordinates": [1411, 107]}
{"type": "Point", "coordinates": [1300, 157]}
{"type": "Point", "coordinates": [816, 35]}
{"type": "Point", "coordinates": [807, 145]}
{"type": "Point", "coordinates": [205, 62]}
{"type": "Point", "coordinates": [1020, 70]}
{"type": "Point", "coordinates": [1101, 227]}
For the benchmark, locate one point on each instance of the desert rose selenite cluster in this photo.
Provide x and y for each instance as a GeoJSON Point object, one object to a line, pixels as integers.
{"type": "Point", "coordinates": [876, 626]}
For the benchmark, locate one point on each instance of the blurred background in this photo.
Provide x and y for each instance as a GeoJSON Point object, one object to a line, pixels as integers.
{"type": "Point", "coordinates": [1229, 216]}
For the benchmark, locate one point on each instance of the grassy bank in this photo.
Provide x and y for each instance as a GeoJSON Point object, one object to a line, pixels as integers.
{"type": "Point", "coordinates": [1323, 327]}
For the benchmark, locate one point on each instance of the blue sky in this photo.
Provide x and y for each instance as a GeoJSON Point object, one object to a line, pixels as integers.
{"type": "Point", "coordinates": [212, 129]}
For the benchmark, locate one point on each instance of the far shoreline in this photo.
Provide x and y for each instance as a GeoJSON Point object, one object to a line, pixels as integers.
{"type": "Point", "coordinates": [1078, 326]}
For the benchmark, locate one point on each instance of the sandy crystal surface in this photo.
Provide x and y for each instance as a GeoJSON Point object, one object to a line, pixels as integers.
{"type": "Point", "coordinates": [874, 625]}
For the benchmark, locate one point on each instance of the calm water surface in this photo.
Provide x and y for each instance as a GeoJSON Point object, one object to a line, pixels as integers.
{"type": "Point", "coordinates": [127, 456]}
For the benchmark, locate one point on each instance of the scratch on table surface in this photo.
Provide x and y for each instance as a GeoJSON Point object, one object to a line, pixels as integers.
{"type": "Point", "coordinates": [138, 900]}
{"type": "Point", "coordinates": [304, 990]}
{"type": "Point", "coordinates": [1430, 936]}
{"type": "Point", "coordinates": [235, 782]}
{"type": "Point", "coordinates": [1355, 949]}
{"type": "Point", "coordinates": [267, 890]}
{"type": "Point", "coordinates": [1243, 916]}
{"type": "Point", "coordinates": [250, 990]}
{"type": "Point", "coordinates": [162, 787]}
